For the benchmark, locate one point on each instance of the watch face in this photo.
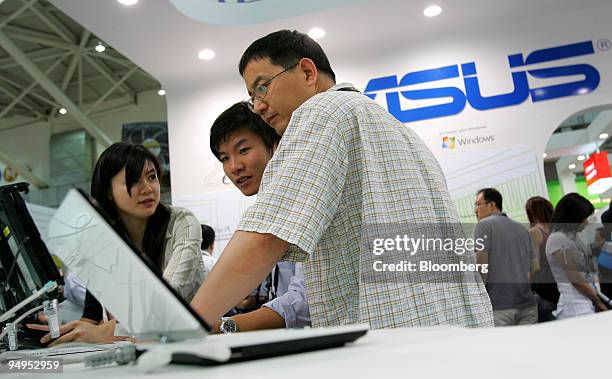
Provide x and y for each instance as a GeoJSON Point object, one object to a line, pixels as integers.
{"type": "Point", "coordinates": [232, 326]}
{"type": "Point", "coordinates": [228, 326]}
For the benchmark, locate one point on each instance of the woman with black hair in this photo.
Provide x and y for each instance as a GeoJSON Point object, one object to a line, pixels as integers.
{"type": "Point", "coordinates": [126, 184]}
{"type": "Point", "coordinates": [539, 212]}
{"type": "Point", "coordinates": [571, 261]}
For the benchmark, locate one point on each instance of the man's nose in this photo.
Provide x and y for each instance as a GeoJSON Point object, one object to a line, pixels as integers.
{"type": "Point", "coordinates": [236, 165]}
{"type": "Point", "coordinates": [259, 106]}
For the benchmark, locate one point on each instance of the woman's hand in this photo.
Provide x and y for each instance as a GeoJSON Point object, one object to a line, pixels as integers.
{"type": "Point", "coordinates": [81, 331]}
{"type": "Point", "coordinates": [600, 306]}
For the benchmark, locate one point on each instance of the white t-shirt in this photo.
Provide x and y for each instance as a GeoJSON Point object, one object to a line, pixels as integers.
{"type": "Point", "coordinates": [209, 261]}
{"type": "Point", "coordinates": [571, 302]}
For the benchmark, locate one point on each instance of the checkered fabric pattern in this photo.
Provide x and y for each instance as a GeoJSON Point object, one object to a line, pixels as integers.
{"type": "Point", "coordinates": [345, 163]}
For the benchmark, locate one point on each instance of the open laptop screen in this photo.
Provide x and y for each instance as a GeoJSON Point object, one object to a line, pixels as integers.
{"type": "Point", "coordinates": [134, 292]}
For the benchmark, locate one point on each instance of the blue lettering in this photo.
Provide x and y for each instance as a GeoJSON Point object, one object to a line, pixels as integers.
{"type": "Point", "coordinates": [380, 84]}
{"type": "Point", "coordinates": [588, 84]}
{"type": "Point", "coordinates": [447, 109]}
{"type": "Point", "coordinates": [473, 95]}
{"type": "Point", "coordinates": [481, 103]}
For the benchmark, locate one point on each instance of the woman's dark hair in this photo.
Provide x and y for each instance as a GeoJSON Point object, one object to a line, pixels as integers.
{"type": "Point", "coordinates": [285, 48]}
{"type": "Point", "coordinates": [539, 210]}
{"type": "Point", "coordinates": [239, 117]}
{"type": "Point", "coordinates": [133, 158]}
{"type": "Point", "coordinates": [571, 210]}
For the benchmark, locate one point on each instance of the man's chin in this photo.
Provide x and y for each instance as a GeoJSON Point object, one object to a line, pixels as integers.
{"type": "Point", "coordinates": [279, 128]}
{"type": "Point", "coordinates": [248, 192]}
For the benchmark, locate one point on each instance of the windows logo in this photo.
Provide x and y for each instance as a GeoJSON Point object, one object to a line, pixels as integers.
{"type": "Point", "coordinates": [448, 142]}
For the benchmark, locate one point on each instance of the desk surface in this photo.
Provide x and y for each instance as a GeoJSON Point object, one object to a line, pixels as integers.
{"type": "Point", "coordinates": [576, 348]}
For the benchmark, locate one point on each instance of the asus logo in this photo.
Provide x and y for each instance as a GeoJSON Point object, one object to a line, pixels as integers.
{"type": "Point", "coordinates": [472, 95]}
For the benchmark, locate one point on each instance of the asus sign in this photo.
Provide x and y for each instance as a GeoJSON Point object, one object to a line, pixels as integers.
{"type": "Point", "coordinates": [470, 93]}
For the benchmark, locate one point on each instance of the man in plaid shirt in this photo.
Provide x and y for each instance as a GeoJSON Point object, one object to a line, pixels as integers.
{"type": "Point", "coordinates": [343, 164]}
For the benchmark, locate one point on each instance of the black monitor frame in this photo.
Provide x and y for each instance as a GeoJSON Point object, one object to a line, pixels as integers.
{"type": "Point", "coordinates": [17, 228]}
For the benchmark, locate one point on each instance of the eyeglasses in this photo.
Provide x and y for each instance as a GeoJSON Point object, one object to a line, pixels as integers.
{"type": "Point", "coordinates": [260, 91]}
{"type": "Point", "coordinates": [477, 204]}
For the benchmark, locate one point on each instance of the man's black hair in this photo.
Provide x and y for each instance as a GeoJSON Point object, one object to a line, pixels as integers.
{"type": "Point", "coordinates": [239, 117]}
{"type": "Point", "coordinates": [208, 236]}
{"type": "Point", "coordinates": [285, 48]}
{"type": "Point", "coordinates": [492, 195]}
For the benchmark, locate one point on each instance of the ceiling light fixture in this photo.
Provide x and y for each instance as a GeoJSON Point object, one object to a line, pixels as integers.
{"type": "Point", "coordinates": [161, 92]}
{"type": "Point", "coordinates": [432, 11]}
{"type": "Point", "coordinates": [572, 166]}
{"type": "Point", "coordinates": [544, 155]}
{"type": "Point", "coordinates": [127, 2]}
{"type": "Point", "coordinates": [63, 111]}
{"type": "Point", "coordinates": [100, 48]}
{"type": "Point", "coordinates": [603, 135]}
{"type": "Point", "coordinates": [316, 33]}
{"type": "Point", "coordinates": [206, 54]}
{"type": "Point", "coordinates": [581, 157]}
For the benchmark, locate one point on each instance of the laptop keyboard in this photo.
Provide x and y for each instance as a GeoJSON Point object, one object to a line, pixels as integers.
{"type": "Point", "coordinates": [67, 350]}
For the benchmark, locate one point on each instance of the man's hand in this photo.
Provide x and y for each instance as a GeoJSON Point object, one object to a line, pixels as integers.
{"type": "Point", "coordinates": [600, 306]}
{"type": "Point", "coordinates": [262, 318]}
{"type": "Point", "coordinates": [80, 331]}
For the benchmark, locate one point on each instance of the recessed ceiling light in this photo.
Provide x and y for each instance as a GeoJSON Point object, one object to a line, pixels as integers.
{"type": "Point", "coordinates": [432, 11]}
{"type": "Point", "coordinates": [581, 157]}
{"type": "Point", "coordinates": [127, 2]}
{"type": "Point", "coordinates": [316, 33]}
{"type": "Point", "coordinates": [572, 166]}
{"type": "Point", "coordinates": [206, 54]}
{"type": "Point", "coordinates": [603, 135]}
{"type": "Point", "coordinates": [63, 111]}
{"type": "Point", "coordinates": [544, 155]}
{"type": "Point", "coordinates": [161, 92]}
{"type": "Point", "coordinates": [100, 48]}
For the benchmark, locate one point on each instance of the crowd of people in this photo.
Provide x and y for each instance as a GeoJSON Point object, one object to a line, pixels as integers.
{"type": "Point", "coordinates": [547, 272]}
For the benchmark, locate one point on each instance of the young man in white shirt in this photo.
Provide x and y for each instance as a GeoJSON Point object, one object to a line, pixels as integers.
{"type": "Point", "coordinates": [244, 144]}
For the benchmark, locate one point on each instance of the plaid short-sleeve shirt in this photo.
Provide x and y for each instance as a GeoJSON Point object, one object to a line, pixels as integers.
{"type": "Point", "coordinates": [343, 163]}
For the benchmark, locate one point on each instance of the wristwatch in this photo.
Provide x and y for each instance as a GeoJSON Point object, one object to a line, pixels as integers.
{"type": "Point", "coordinates": [228, 325]}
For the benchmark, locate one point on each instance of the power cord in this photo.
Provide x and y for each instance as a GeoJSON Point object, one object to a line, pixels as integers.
{"type": "Point", "coordinates": [11, 327]}
{"type": "Point", "coordinates": [50, 286]}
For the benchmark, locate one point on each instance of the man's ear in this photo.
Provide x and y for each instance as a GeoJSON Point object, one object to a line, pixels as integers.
{"type": "Point", "coordinates": [309, 68]}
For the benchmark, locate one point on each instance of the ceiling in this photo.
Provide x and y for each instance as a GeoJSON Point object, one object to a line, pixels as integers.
{"type": "Point", "coordinates": [154, 37]}
{"type": "Point", "coordinates": [65, 52]}
{"type": "Point", "coordinates": [165, 42]}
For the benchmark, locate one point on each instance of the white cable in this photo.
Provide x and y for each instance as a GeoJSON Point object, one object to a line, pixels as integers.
{"type": "Point", "coordinates": [5, 331]}
{"type": "Point", "coordinates": [50, 286]}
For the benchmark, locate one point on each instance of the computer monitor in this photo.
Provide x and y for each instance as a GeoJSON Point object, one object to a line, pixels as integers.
{"type": "Point", "coordinates": [25, 263]}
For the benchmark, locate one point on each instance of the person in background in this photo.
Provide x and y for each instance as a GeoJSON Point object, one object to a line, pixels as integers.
{"type": "Point", "coordinates": [571, 261]}
{"type": "Point", "coordinates": [605, 257]}
{"type": "Point", "coordinates": [126, 184]}
{"type": "Point", "coordinates": [208, 244]}
{"type": "Point", "coordinates": [511, 257]}
{"type": "Point", "coordinates": [539, 212]}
